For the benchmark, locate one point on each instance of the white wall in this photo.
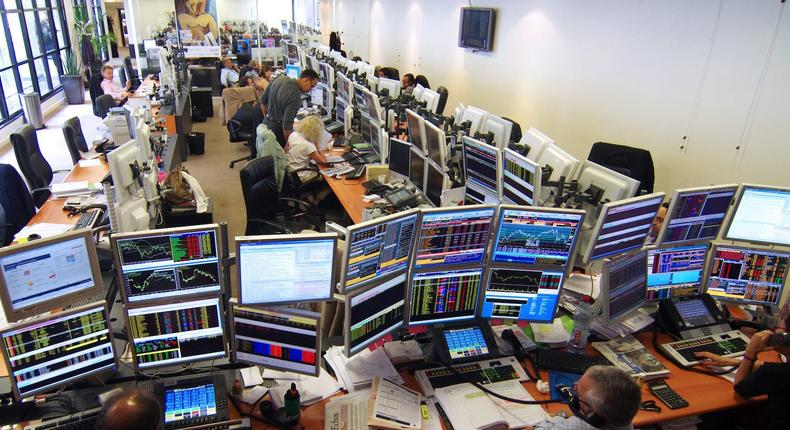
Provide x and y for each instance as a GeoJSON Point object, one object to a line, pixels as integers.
{"type": "Point", "coordinates": [352, 19]}
{"type": "Point", "coordinates": [621, 71]}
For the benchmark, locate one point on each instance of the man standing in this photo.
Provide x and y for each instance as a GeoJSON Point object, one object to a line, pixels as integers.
{"type": "Point", "coordinates": [282, 100]}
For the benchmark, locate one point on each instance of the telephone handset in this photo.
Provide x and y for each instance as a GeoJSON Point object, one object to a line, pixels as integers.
{"type": "Point", "coordinates": [693, 316]}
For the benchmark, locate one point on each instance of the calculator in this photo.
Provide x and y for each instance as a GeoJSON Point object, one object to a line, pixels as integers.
{"type": "Point", "coordinates": [667, 395]}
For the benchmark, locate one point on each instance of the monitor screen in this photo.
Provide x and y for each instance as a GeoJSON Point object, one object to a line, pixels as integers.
{"type": "Point", "coordinates": [623, 285]}
{"type": "Point", "coordinates": [323, 72]}
{"type": "Point", "coordinates": [276, 337]}
{"type": "Point", "coordinates": [175, 333]}
{"type": "Point", "coordinates": [434, 184]}
{"type": "Point", "coordinates": [477, 28]}
{"type": "Point", "coordinates": [747, 275]}
{"type": "Point", "coordinates": [528, 295]}
{"type": "Point", "coordinates": [365, 129]}
{"type": "Point", "coordinates": [377, 248]}
{"type": "Point", "coordinates": [340, 111]}
{"type": "Point", "coordinates": [281, 269]}
{"type": "Point", "coordinates": [372, 106]}
{"type": "Point", "coordinates": [293, 71]}
{"type": "Point", "coordinates": [343, 87]}
{"type": "Point", "coordinates": [480, 162]}
{"type": "Point", "coordinates": [374, 312]}
{"type": "Point", "coordinates": [400, 157]}
{"type": "Point", "coordinates": [416, 128]}
{"type": "Point", "coordinates": [536, 236]}
{"type": "Point", "coordinates": [762, 215]}
{"type": "Point", "coordinates": [465, 343]}
{"type": "Point", "coordinates": [435, 143]}
{"type": "Point", "coordinates": [623, 226]}
{"type": "Point", "coordinates": [521, 179]}
{"type": "Point", "coordinates": [444, 296]}
{"type": "Point", "coordinates": [675, 271]}
{"type": "Point", "coordinates": [359, 98]}
{"type": "Point", "coordinates": [375, 137]}
{"type": "Point", "coordinates": [694, 313]}
{"type": "Point", "coordinates": [453, 236]}
{"type": "Point", "coordinates": [317, 95]}
{"type": "Point", "coordinates": [696, 215]}
{"type": "Point", "coordinates": [417, 168]}
{"type": "Point", "coordinates": [158, 264]}
{"type": "Point", "coordinates": [53, 351]}
{"type": "Point", "coordinates": [40, 275]}
{"type": "Point", "coordinates": [190, 402]}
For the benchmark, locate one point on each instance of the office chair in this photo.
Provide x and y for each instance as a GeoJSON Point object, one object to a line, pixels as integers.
{"type": "Point", "coordinates": [390, 73]}
{"type": "Point", "coordinates": [32, 163]}
{"type": "Point", "coordinates": [267, 212]}
{"type": "Point", "coordinates": [75, 140]}
{"type": "Point", "coordinates": [94, 88]}
{"type": "Point", "coordinates": [515, 131]}
{"type": "Point", "coordinates": [422, 80]}
{"type": "Point", "coordinates": [104, 103]}
{"type": "Point", "coordinates": [16, 204]}
{"type": "Point", "coordinates": [131, 74]}
{"type": "Point", "coordinates": [443, 94]}
{"type": "Point", "coordinates": [635, 163]}
{"type": "Point", "coordinates": [122, 77]}
{"type": "Point", "coordinates": [241, 128]}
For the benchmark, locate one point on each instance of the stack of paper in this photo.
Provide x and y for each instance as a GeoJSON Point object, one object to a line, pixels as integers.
{"type": "Point", "coordinates": [348, 412]}
{"type": "Point", "coordinates": [554, 335]}
{"type": "Point", "coordinates": [358, 371]}
{"type": "Point", "coordinates": [43, 229]}
{"type": "Point", "coordinates": [312, 389]}
{"type": "Point", "coordinates": [469, 408]}
{"type": "Point", "coordinates": [67, 189]}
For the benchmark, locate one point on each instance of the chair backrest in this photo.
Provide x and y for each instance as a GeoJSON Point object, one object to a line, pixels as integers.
{"type": "Point", "coordinates": [259, 188]}
{"type": "Point", "coordinates": [94, 87]}
{"type": "Point", "coordinates": [635, 163]}
{"type": "Point", "coordinates": [515, 132]}
{"type": "Point", "coordinates": [75, 140]}
{"type": "Point", "coordinates": [391, 73]}
{"type": "Point", "coordinates": [127, 66]}
{"type": "Point", "coordinates": [104, 103]}
{"type": "Point", "coordinates": [122, 76]}
{"type": "Point", "coordinates": [31, 161]}
{"type": "Point", "coordinates": [443, 94]}
{"type": "Point", "coordinates": [16, 203]}
{"type": "Point", "coordinates": [422, 80]}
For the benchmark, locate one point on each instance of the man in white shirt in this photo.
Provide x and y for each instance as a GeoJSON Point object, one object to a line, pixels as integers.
{"type": "Point", "coordinates": [229, 75]}
{"type": "Point", "coordinates": [605, 398]}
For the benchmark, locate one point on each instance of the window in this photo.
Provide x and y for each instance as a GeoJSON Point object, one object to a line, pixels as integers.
{"type": "Point", "coordinates": [33, 38]}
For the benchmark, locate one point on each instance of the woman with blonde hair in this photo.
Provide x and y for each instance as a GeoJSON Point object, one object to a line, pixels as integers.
{"type": "Point", "coordinates": [302, 147]}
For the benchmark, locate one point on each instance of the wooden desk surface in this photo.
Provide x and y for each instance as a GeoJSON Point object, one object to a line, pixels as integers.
{"type": "Point", "coordinates": [348, 191]}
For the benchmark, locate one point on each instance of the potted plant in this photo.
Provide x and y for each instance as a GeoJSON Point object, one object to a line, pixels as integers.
{"type": "Point", "coordinates": [71, 79]}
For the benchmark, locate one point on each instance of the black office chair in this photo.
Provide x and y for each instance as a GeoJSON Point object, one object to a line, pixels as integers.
{"type": "Point", "coordinates": [635, 163]}
{"type": "Point", "coordinates": [131, 74]}
{"type": "Point", "coordinates": [391, 73]}
{"type": "Point", "coordinates": [515, 131]}
{"type": "Point", "coordinates": [104, 103]}
{"type": "Point", "coordinates": [241, 128]}
{"type": "Point", "coordinates": [267, 212]}
{"type": "Point", "coordinates": [16, 203]}
{"type": "Point", "coordinates": [443, 94]}
{"type": "Point", "coordinates": [94, 88]}
{"type": "Point", "coordinates": [75, 139]}
{"type": "Point", "coordinates": [32, 163]}
{"type": "Point", "coordinates": [422, 80]}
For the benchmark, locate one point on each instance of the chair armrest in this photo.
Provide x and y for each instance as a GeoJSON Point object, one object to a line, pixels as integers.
{"type": "Point", "coordinates": [300, 203]}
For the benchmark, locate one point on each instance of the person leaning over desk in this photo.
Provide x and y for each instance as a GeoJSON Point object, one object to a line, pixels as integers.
{"type": "Point", "coordinates": [281, 101]}
{"type": "Point", "coordinates": [756, 378]}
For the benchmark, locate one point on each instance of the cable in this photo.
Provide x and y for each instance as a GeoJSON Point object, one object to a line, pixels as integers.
{"type": "Point", "coordinates": [497, 395]}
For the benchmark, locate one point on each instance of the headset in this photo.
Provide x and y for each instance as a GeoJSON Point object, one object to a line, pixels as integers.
{"type": "Point", "coordinates": [574, 404]}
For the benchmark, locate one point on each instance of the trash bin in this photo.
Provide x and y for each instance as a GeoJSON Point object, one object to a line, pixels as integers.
{"type": "Point", "coordinates": [196, 142]}
{"type": "Point", "coordinates": [31, 106]}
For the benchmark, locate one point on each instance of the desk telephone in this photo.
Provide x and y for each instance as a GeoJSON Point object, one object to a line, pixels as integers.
{"type": "Point", "coordinates": [692, 317]}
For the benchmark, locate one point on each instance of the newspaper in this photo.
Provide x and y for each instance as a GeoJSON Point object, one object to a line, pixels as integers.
{"type": "Point", "coordinates": [629, 354]}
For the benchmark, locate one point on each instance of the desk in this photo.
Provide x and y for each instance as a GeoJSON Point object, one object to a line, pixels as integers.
{"type": "Point", "coordinates": [348, 191]}
{"type": "Point", "coordinates": [178, 117]}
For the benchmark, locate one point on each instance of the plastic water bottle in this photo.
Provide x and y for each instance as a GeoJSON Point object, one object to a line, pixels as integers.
{"type": "Point", "coordinates": [582, 318]}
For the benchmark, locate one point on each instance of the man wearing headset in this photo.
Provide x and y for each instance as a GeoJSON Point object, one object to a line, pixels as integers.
{"type": "Point", "coordinates": [605, 398]}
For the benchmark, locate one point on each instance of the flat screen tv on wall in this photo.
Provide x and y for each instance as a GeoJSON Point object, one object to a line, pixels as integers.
{"type": "Point", "coordinates": [477, 28]}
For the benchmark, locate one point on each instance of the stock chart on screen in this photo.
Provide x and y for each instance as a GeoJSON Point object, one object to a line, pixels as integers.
{"type": "Point", "coordinates": [522, 294]}
{"type": "Point", "coordinates": [536, 237]}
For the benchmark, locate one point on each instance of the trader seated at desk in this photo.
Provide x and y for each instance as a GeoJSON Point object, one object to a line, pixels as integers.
{"type": "Point", "coordinates": [608, 398]}
{"type": "Point", "coordinates": [229, 75]}
{"type": "Point", "coordinates": [108, 86]}
{"type": "Point", "coordinates": [302, 147]}
{"type": "Point", "coordinates": [131, 410]}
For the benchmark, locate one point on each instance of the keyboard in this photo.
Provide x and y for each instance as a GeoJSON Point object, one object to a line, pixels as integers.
{"type": "Point", "coordinates": [729, 344]}
{"type": "Point", "coordinates": [562, 361]}
{"type": "Point", "coordinates": [239, 424]}
{"type": "Point", "coordinates": [87, 219]}
{"type": "Point", "coordinates": [483, 372]}
{"type": "Point", "coordinates": [82, 420]}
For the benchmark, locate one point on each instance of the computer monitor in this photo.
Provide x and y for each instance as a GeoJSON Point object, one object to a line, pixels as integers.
{"type": "Point", "coordinates": [142, 133]}
{"type": "Point", "coordinates": [457, 235]}
{"type": "Point", "coordinates": [373, 106]}
{"type": "Point", "coordinates": [500, 127]}
{"type": "Point", "coordinates": [283, 269]}
{"type": "Point", "coordinates": [761, 216]}
{"type": "Point", "coordinates": [623, 285]}
{"type": "Point", "coordinates": [603, 184]}
{"type": "Point", "coordinates": [58, 349]}
{"type": "Point", "coordinates": [374, 312]}
{"type": "Point", "coordinates": [280, 338]}
{"type": "Point", "coordinates": [377, 248]}
{"type": "Point", "coordinates": [391, 85]}
{"type": "Point", "coordinates": [696, 214]}
{"type": "Point", "coordinates": [41, 275]}
{"type": "Point", "coordinates": [622, 226]}
{"type": "Point", "coordinates": [536, 236]}
{"type": "Point", "coordinates": [375, 138]}
{"type": "Point", "coordinates": [120, 161]}
{"type": "Point", "coordinates": [293, 71]}
{"type": "Point", "coordinates": [292, 53]}
{"type": "Point", "coordinates": [536, 141]}
{"type": "Point", "coordinates": [399, 157]}
{"type": "Point", "coordinates": [747, 274]}
{"type": "Point", "coordinates": [168, 334]}
{"type": "Point", "coordinates": [521, 179]}
{"type": "Point", "coordinates": [415, 124]}
{"type": "Point", "coordinates": [326, 74]}
{"type": "Point", "coordinates": [359, 98]}
{"type": "Point", "coordinates": [344, 86]}
{"type": "Point", "coordinates": [417, 168]}
{"type": "Point", "coordinates": [442, 296]}
{"type": "Point", "coordinates": [313, 63]}
{"type": "Point", "coordinates": [364, 128]}
{"type": "Point", "coordinates": [340, 110]}
{"type": "Point", "coordinates": [164, 263]}
{"type": "Point", "coordinates": [436, 143]}
{"type": "Point", "coordinates": [675, 271]}
{"type": "Point", "coordinates": [436, 181]}
{"type": "Point", "coordinates": [522, 294]}
{"type": "Point", "coordinates": [481, 170]}
{"type": "Point", "coordinates": [475, 116]}
{"type": "Point", "coordinates": [561, 163]}
{"type": "Point", "coordinates": [431, 99]}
